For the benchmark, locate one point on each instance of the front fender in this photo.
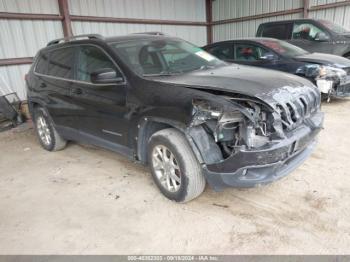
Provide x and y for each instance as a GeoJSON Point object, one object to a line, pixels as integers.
{"type": "Point", "coordinates": [147, 126]}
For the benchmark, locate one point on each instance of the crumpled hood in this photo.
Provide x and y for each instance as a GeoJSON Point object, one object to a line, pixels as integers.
{"type": "Point", "coordinates": [325, 59]}
{"type": "Point", "coordinates": [269, 86]}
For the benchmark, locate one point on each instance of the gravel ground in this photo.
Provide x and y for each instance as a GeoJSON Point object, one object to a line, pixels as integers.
{"type": "Point", "coordinates": [85, 200]}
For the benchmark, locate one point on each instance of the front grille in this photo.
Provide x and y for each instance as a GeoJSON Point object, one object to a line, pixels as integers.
{"type": "Point", "coordinates": [347, 70]}
{"type": "Point", "coordinates": [295, 111]}
{"type": "Point", "coordinates": [343, 90]}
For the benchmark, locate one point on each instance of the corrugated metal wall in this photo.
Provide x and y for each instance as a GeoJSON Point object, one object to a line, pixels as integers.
{"type": "Point", "coordinates": [227, 9]}
{"type": "Point", "coordinates": [194, 34]}
{"type": "Point", "coordinates": [23, 38]}
{"type": "Point", "coordinates": [339, 15]}
{"type": "Point", "coordinates": [178, 10]}
{"type": "Point", "coordinates": [29, 6]}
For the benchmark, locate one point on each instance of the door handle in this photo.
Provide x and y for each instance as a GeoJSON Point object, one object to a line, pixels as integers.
{"type": "Point", "coordinates": [77, 91]}
{"type": "Point", "coordinates": [43, 85]}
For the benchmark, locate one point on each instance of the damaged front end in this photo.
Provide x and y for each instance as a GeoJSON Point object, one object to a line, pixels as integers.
{"type": "Point", "coordinates": [244, 142]}
{"type": "Point", "coordinates": [331, 81]}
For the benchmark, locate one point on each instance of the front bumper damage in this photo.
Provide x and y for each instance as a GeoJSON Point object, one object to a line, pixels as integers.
{"type": "Point", "coordinates": [251, 168]}
{"type": "Point", "coordinates": [327, 87]}
{"type": "Point", "coordinates": [334, 86]}
{"type": "Point", "coordinates": [341, 91]}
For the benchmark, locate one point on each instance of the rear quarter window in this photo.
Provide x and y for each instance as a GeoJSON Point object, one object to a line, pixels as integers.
{"type": "Point", "coordinates": [279, 31]}
{"type": "Point", "coordinates": [42, 63]}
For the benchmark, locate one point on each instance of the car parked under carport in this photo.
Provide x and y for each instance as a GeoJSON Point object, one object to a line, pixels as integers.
{"type": "Point", "coordinates": [330, 73]}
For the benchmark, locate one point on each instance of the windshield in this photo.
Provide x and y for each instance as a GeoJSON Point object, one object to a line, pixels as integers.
{"type": "Point", "coordinates": [283, 48]}
{"type": "Point", "coordinates": [164, 56]}
{"type": "Point", "coordinates": [334, 27]}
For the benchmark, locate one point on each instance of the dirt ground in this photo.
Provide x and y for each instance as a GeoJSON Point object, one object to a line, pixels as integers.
{"type": "Point", "coordinates": [84, 200]}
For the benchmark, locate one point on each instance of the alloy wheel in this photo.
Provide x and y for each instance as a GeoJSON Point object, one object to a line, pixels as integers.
{"type": "Point", "coordinates": [43, 130]}
{"type": "Point", "coordinates": [166, 168]}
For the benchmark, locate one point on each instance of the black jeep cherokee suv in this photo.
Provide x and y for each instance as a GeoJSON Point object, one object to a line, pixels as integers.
{"type": "Point", "coordinates": [166, 103]}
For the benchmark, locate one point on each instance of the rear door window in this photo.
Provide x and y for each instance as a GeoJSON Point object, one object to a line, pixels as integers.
{"type": "Point", "coordinates": [222, 51]}
{"type": "Point", "coordinates": [279, 31]}
{"type": "Point", "coordinates": [61, 63]}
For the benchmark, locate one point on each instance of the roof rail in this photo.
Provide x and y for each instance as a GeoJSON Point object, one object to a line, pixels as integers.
{"type": "Point", "coordinates": [76, 37]}
{"type": "Point", "coordinates": [149, 33]}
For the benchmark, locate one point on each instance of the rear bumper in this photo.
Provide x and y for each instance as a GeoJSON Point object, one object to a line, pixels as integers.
{"type": "Point", "coordinates": [250, 168]}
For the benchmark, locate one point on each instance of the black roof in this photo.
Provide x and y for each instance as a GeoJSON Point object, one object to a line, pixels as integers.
{"type": "Point", "coordinates": [94, 37]}
{"type": "Point", "coordinates": [252, 39]}
{"type": "Point", "coordinates": [123, 38]}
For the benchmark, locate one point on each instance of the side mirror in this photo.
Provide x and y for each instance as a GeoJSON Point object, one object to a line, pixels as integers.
{"type": "Point", "coordinates": [105, 76]}
{"type": "Point", "coordinates": [322, 37]}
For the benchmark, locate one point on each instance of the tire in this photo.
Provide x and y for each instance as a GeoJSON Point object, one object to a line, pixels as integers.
{"type": "Point", "coordinates": [179, 178]}
{"type": "Point", "coordinates": [48, 137]}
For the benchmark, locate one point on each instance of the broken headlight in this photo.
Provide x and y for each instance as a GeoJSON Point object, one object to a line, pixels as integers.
{"type": "Point", "coordinates": [328, 77]}
{"type": "Point", "coordinates": [328, 71]}
{"type": "Point", "coordinates": [318, 71]}
{"type": "Point", "coordinates": [324, 76]}
{"type": "Point", "coordinates": [204, 110]}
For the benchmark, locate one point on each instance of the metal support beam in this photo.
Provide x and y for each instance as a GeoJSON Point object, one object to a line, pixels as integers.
{"type": "Point", "coordinates": [260, 16]}
{"type": "Point", "coordinates": [209, 18]}
{"type": "Point", "coordinates": [134, 20]}
{"type": "Point", "coordinates": [66, 21]}
{"type": "Point", "coordinates": [306, 8]}
{"type": "Point", "coordinates": [22, 16]}
{"type": "Point", "coordinates": [16, 61]}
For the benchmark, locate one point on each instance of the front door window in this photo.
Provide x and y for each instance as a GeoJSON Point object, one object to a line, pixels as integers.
{"type": "Point", "coordinates": [91, 59]}
{"type": "Point", "coordinates": [307, 31]}
{"type": "Point", "coordinates": [251, 53]}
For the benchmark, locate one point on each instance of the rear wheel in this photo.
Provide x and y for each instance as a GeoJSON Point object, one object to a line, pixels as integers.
{"type": "Point", "coordinates": [46, 132]}
{"type": "Point", "coordinates": [175, 168]}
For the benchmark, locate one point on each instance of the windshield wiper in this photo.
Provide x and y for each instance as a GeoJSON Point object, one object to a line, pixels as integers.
{"type": "Point", "coordinates": [164, 73]}
{"type": "Point", "coordinates": [204, 67]}
{"type": "Point", "coordinates": [172, 73]}
{"type": "Point", "coordinates": [160, 74]}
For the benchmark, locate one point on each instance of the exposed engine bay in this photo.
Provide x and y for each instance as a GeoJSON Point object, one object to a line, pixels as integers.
{"type": "Point", "coordinates": [250, 124]}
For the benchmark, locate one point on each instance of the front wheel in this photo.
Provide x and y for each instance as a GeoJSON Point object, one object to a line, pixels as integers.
{"type": "Point", "coordinates": [175, 168]}
{"type": "Point", "coordinates": [46, 132]}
